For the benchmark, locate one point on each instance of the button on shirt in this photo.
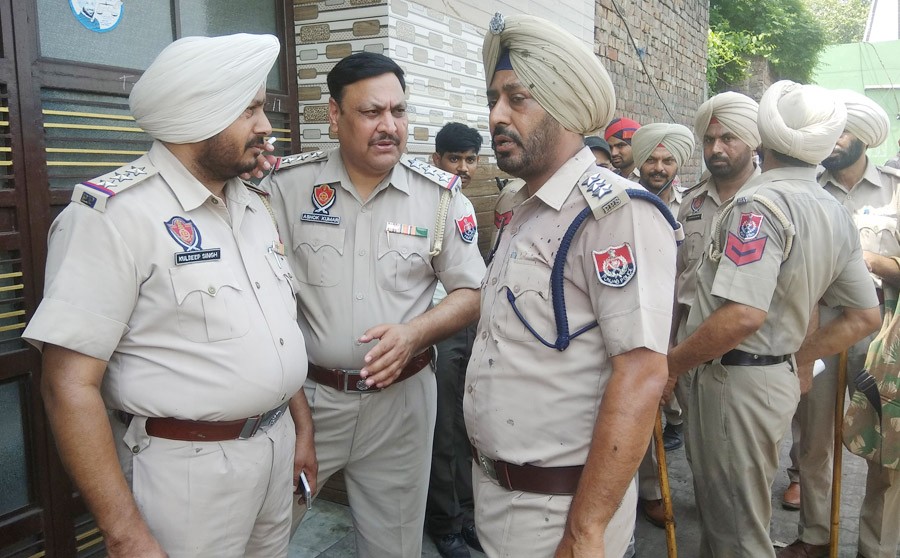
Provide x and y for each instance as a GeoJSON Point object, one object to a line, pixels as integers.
{"type": "Point", "coordinates": [526, 402]}
{"type": "Point", "coordinates": [210, 339]}
{"type": "Point", "coordinates": [355, 270]}
{"type": "Point", "coordinates": [825, 260]}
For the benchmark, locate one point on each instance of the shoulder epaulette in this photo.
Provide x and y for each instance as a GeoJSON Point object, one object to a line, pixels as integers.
{"type": "Point", "coordinates": [703, 181]}
{"type": "Point", "coordinates": [96, 192]}
{"type": "Point", "coordinates": [289, 161]}
{"type": "Point", "coordinates": [888, 170]}
{"type": "Point", "coordinates": [444, 179]}
{"type": "Point", "coordinates": [604, 194]}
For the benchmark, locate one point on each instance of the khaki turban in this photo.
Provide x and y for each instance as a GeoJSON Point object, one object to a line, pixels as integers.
{"type": "Point", "coordinates": [736, 112]}
{"type": "Point", "coordinates": [198, 86]}
{"type": "Point", "coordinates": [560, 71]}
{"type": "Point", "coordinates": [865, 118]}
{"type": "Point", "coordinates": [677, 139]}
{"type": "Point", "coordinates": [802, 121]}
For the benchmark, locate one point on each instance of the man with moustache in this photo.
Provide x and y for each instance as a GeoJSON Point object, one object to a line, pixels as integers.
{"type": "Point", "coordinates": [362, 224]}
{"type": "Point", "coordinates": [776, 251]}
{"type": "Point", "coordinates": [449, 512]}
{"type": "Point", "coordinates": [618, 135]}
{"type": "Point", "coordinates": [660, 150]}
{"type": "Point", "coordinates": [557, 446]}
{"type": "Point", "coordinates": [168, 325]}
{"type": "Point", "coordinates": [870, 194]}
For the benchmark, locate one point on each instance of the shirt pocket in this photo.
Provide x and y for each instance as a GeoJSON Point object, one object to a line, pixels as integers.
{"type": "Point", "coordinates": [403, 262]}
{"type": "Point", "coordinates": [211, 305]}
{"type": "Point", "coordinates": [694, 245]}
{"type": "Point", "coordinates": [529, 283]}
{"type": "Point", "coordinates": [318, 250]}
{"type": "Point", "coordinates": [284, 277]}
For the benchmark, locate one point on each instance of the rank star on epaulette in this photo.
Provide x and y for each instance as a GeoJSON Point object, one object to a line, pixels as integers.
{"type": "Point", "coordinates": [95, 193]}
{"type": "Point", "coordinates": [596, 185]}
{"type": "Point", "coordinates": [445, 179]}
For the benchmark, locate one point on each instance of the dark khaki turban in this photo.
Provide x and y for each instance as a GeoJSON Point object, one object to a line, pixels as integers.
{"type": "Point", "coordinates": [677, 139]}
{"type": "Point", "coordinates": [560, 71]}
{"type": "Point", "coordinates": [198, 86]}
{"type": "Point", "coordinates": [865, 118]}
{"type": "Point", "coordinates": [736, 112]}
{"type": "Point", "coordinates": [802, 121]}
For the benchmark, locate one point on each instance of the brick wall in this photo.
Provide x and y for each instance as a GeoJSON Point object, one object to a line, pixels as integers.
{"type": "Point", "coordinates": [671, 35]}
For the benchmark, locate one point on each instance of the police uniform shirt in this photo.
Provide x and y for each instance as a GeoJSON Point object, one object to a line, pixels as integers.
{"type": "Point", "coordinates": [873, 204]}
{"type": "Point", "coordinates": [525, 402]}
{"type": "Point", "coordinates": [825, 260]}
{"type": "Point", "coordinates": [182, 295]}
{"type": "Point", "coordinates": [363, 263]}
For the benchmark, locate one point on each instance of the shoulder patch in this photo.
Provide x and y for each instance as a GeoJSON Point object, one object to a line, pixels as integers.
{"type": "Point", "coordinates": [602, 194]}
{"type": "Point", "coordinates": [289, 161]}
{"type": "Point", "coordinates": [442, 178]}
{"type": "Point", "coordinates": [96, 192]}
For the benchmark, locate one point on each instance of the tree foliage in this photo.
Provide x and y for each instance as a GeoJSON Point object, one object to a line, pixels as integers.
{"type": "Point", "coordinates": [782, 31]}
{"type": "Point", "coordinates": [843, 21]}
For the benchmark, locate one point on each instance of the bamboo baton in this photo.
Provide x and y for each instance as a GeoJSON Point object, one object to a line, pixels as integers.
{"type": "Point", "coordinates": [838, 456]}
{"type": "Point", "coordinates": [663, 470]}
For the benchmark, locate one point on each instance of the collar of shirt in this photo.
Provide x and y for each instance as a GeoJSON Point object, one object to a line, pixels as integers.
{"type": "Point", "coordinates": [190, 193]}
{"type": "Point", "coordinates": [871, 176]}
{"type": "Point", "coordinates": [556, 190]}
{"type": "Point", "coordinates": [334, 171]}
{"type": "Point", "coordinates": [782, 173]}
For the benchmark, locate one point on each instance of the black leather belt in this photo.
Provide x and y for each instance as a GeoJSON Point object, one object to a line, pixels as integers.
{"type": "Point", "coordinates": [529, 478]}
{"type": "Point", "coordinates": [735, 357]}
{"type": "Point", "coordinates": [350, 380]}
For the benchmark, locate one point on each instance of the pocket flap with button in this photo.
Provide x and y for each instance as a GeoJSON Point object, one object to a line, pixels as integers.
{"type": "Point", "coordinates": [208, 278]}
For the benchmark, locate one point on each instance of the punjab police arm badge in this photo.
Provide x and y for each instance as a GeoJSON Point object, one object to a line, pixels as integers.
{"type": "Point", "coordinates": [95, 193]}
{"type": "Point", "coordinates": [744, 247]}
{"type": "Point", "coordinates": [615, 265]}
{"type": "Point", "coordinates": [467, 227]}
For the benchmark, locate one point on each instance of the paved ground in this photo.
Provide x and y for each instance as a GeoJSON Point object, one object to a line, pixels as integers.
{"type": "Point", "coordinates": [327, 531]}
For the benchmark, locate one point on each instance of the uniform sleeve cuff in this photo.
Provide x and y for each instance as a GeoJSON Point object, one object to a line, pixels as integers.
{"type": "Point", "coordinates": [59, 323]}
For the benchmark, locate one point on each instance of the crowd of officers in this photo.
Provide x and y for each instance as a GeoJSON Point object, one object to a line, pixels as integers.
{"type": "Point", "coordinates": [211, 347]}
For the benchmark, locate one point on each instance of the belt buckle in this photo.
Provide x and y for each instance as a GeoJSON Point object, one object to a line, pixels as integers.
{"type": "Point", "coordinates": [251, 425]}
{"type": "Point", "coordinates": [487, 465]}
{"type": "Point", "coordinates": [360, 384]}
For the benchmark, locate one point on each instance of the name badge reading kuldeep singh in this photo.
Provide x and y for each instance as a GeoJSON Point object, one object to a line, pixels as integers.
{"type": "Point", "coordinates": [410, 230]}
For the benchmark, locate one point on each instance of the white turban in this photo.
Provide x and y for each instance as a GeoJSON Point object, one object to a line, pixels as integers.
{"type": "Point", "coordinates": [865, 118]}
{"type": "Point", "coordinates": [736, 112]}
{"type": "Point", "coordinates": [677, 139]}
{"type": "Point", "coordinates": [198, 86]}
{"type": "Point", "coordinates": [560, 71]}
{"type": "Point", "coordinates": [801, 121]}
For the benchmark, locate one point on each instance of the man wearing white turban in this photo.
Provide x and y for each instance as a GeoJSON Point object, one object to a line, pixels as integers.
{"type": "Point", "coordinates": [660, 150]}
{"type": "Point", "coordinates": [869, 192]}
{"type": "Point", "coordinates": [782, 245]}
{"type": "Point", "coordinates": [168, 325]}
{"type": "Point", "coordinates": [726, 127]}
{"type": "Point", "coordinates": [557, 453]}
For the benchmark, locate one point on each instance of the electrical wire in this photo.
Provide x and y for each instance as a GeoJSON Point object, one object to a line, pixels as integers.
{"type": "Point", "coordinates": [641, 59]}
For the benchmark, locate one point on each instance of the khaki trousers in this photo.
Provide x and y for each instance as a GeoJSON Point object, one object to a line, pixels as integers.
{"type": "Point", "coordinates": [739, 414]}
{"type": "Point", "coordinates": [514, 524]}
{"type": "Point", "coordinates": [382, 441]}
{"type": "Point", "coordinates": [879, 517]}
{"type": "Point", "coordinates": [215, 499]}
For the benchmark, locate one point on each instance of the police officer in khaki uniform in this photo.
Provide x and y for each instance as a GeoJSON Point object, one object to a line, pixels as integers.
{"type": "Point", "coordinates": [779, 248]}
{"type": "Point", "coordinates": [729, 136]}
{"type": "Point", "coordinates": [870, 194]}
{"type": "Point", "coordinates": [660, 150]}
{"type": "Point", "coordinates": [370, 231]}
{"type": "Point", "coordinates": [168, 302]}
{"type": "Point", "coordinates": [558, 445]}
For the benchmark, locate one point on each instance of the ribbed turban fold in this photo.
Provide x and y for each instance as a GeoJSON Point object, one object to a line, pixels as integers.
{"type": "Point", "coordinates": [865, 118]}
{"type": "Point", "coordinates": [198, 86]}
{"type": "Point", "coordinates": [802, 121]}
{"type": "Point", "coordinates": [734, 111]}
{"type": "Point", "coordinates": [677, 139]}
{"type": "Point", "coordinates": [563, 75]}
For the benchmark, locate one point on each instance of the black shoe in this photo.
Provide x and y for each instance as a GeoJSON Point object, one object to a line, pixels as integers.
{"type": "Point", "coordinates": [673, 438]}
{"type": "Point", "coordinates": [471, 537]}
{"type": "Point", "coordinates": [451, 546]}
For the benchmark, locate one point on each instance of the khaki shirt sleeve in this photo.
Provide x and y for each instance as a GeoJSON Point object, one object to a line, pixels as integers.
{"type": "Point", "coordinates": [638, 314]}
{"type": "Point", "coordinates": [853, 287]}
{"type": "Point", "coordinates": [750, 264]}
{"type": "Point", "coordinates": [459, 265]}
{"type": "Point", "coordinates": [92, 286]}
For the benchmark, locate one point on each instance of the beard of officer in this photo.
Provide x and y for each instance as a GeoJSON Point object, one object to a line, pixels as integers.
{"type": "Point", "coordinates": [847, 151]}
